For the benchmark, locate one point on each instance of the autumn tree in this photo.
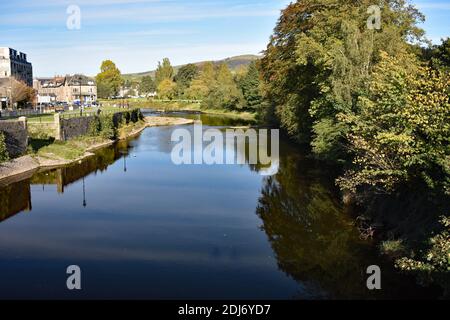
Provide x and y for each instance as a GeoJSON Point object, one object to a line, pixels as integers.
{"type": "Point", "coordinates": [319, 61]}
{"type": "Point", "coordinates": [401, 132]}
{"type": "Point", "coordinates": [21, 94]}
{"type": "Point", "coordinates": [167, 89]}
{"type": "Point", "coordinates": [109, 80]}
{"type": "Point", "coordinates": [164, 71]}
{"type": "Point", "coordinates": [203, 84]}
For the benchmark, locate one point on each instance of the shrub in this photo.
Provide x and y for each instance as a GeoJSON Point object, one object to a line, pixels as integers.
{"type": "Point", "coordinates": [394, 248]}
{"type": "Point", "coordinates": [95, 127]}
{"type": "Point", "coordinates": [4, 156]}
{"type": "Point", "coordinates": [434, 264]}
{"type": "Point", "coordinates": [108, 129]}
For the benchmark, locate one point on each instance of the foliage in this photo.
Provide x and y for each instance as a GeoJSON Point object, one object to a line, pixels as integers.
{"type": "Point", "coordinates": [224, 93]}
{"type": "Point", "coordinates": [164, 71]}
{"type": "Point", "coordinates": [392, 247]}
{"type": "Point", "coordinates": [109, 80]}
{"type": "Point", "coordinates": [4, 156]}
{"type": "Point", "coordinates": [435, 263]}
{"type": "Point", "coordinates": [439, 55]}
{"type": "Point", "coordinates": [167, 89]}
{"type": "Point", "coordinates": [251, 88]}
{"type": "Point", "coordinates": [320, 58]}
{"type": "Point", "coordinates": [401, 132]}
{"type": "Point", "coordinates": [185, 75]}
{"type": "Point", "coordinates": [203, 84]}
{"type": "Point", "coordinates": [147, 85]}
{"type": "Point", "coordinates": [103, 126]}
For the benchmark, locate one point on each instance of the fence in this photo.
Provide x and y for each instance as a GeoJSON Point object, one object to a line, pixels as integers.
{"type": "Point", "coordinates": [10, 114]}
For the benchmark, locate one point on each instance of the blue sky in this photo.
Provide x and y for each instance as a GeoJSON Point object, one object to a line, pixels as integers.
{"type": "Point", "coordinates": [137, 33]}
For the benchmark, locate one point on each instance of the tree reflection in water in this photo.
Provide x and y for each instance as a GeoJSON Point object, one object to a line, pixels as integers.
{"type": "Point", "coordinates": [314, 240]}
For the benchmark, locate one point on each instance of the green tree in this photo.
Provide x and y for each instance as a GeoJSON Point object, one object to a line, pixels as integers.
{"type": "Point", "coordinates": [164, 71]}
{"type": "Point", "coordinates": [225, 94]}
{"type": "Point", "coordinates": [167, 89]}
{"type": "Point", "coordinates": [185, 76]}
{"type": "Point", "coordinates": [147, 85]}
{"type": "Point", "coordinates": [109, 80]}
{"type": "Point", "coordinates": [251, 88]}
{"type": "Point", "coordinates": [440, 55]}
{"type": "Point", "coordinates": [203, 84]}
{"type": "Point", "coordinates": [319, 61]}
{"type": "Point", "coordinates": [401, 132]}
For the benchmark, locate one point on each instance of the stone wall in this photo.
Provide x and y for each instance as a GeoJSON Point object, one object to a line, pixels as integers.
{"type": "Point", "coordinates": [16, 136]}
{"type": "Point", "coordinates": [66, 129]}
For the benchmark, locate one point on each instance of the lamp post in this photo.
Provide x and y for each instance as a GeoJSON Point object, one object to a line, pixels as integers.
{"type": "Point", "coordinates": [81, 104]}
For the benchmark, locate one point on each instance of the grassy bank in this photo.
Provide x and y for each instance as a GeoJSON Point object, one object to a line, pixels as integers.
{"type": "Point", "coordinates": [73, 149]}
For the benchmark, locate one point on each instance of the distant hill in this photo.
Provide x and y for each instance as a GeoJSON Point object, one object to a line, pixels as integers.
{"type": "Point", "coordinates": [233, 63]}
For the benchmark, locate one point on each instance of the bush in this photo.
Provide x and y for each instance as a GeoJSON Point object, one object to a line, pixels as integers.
{"type": "Point", "coordinates": [103, 126]}
{"type": "Point", "coordinates": [95, 127]}
{"type": "Point", "coordinates": [434, 264]}
{"type": "Point", "coordinates": [108, 129]}
{"type": "Point", "coordinates": [136, 115]}
{"type": "Point", "coordinates": [393, 248]}
{"type": "Point", "coordinates": [4, 156]}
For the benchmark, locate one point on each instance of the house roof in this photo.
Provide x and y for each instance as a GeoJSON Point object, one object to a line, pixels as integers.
{"type": "Point", "coordinates": [75, 80]}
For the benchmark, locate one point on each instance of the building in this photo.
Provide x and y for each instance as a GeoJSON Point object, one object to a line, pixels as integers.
{"type": "Point", "coordinates": [4, 92]}
{"type": "Point", "coordinates": [66, 89]}
{"type": "Point", "coordinates": [14, 64]}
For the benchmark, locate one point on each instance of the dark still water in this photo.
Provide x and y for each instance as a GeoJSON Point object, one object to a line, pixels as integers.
{"type": "Point", "coordinates": [141, 227]}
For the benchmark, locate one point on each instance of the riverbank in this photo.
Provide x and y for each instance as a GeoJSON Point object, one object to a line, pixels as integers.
{"type": "Point", "coordinates": [179, 106]}
{"type": "Point", "coordinates": [60, 154]}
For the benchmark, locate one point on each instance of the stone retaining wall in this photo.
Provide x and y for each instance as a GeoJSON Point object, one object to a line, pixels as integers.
{"type": "Point", "coordinates": [66, 129]}
{"type": "Point", "coordinates": [16, 136]}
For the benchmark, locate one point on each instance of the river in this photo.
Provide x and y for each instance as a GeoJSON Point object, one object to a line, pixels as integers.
{"type": "Point", "coordinates": [139, 226]}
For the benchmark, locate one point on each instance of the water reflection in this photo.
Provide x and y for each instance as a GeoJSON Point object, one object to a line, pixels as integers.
{"type": "Point", "coordinates": [315, 242]}
{"type": "Point", "coordinates": [14, 199]}
{"type": "Point", "coordinates": [165, 231]}
{"type": "Point", "coordinates": [65, 176]}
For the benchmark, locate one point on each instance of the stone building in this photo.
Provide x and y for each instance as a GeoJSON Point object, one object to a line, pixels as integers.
{"type": "Point", "coordinates": [66, 89]}
{"type": "Point", "coordinates": [14, 64]}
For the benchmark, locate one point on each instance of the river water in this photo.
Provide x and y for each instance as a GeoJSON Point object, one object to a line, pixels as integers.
{"type": "Point", "coordinates": [139, 226]}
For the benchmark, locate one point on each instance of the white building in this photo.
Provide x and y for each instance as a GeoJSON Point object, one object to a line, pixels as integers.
{"type": "Point", "coordinates": [14, 64]}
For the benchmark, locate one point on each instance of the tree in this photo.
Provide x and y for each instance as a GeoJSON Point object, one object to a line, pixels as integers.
{"type": "Point", "coordinates": [251, 88]}
{"type": "Point", "coordinates": [319, 61]}
{"type": "Point", "coordinates": [147, 85]}
{"type": "Point", "coordinates": [21, 94]}
{"type": "Point", "coordinates": [167, 89]}
{"type": "Point", "coordinates": [401, 132]}
{"type": "Point", "coordinates": [164, 71]}
{"type": "Point", "coordinates": [185, 75]}
{"type": "Point", "coordinates": [439, 55]}
{"type": "Point", "coordinates": [109, 80]}
{"type": "Point", "coordinates": [203, 84]}
{"type": "Point", "coordinates": [225, 93]}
